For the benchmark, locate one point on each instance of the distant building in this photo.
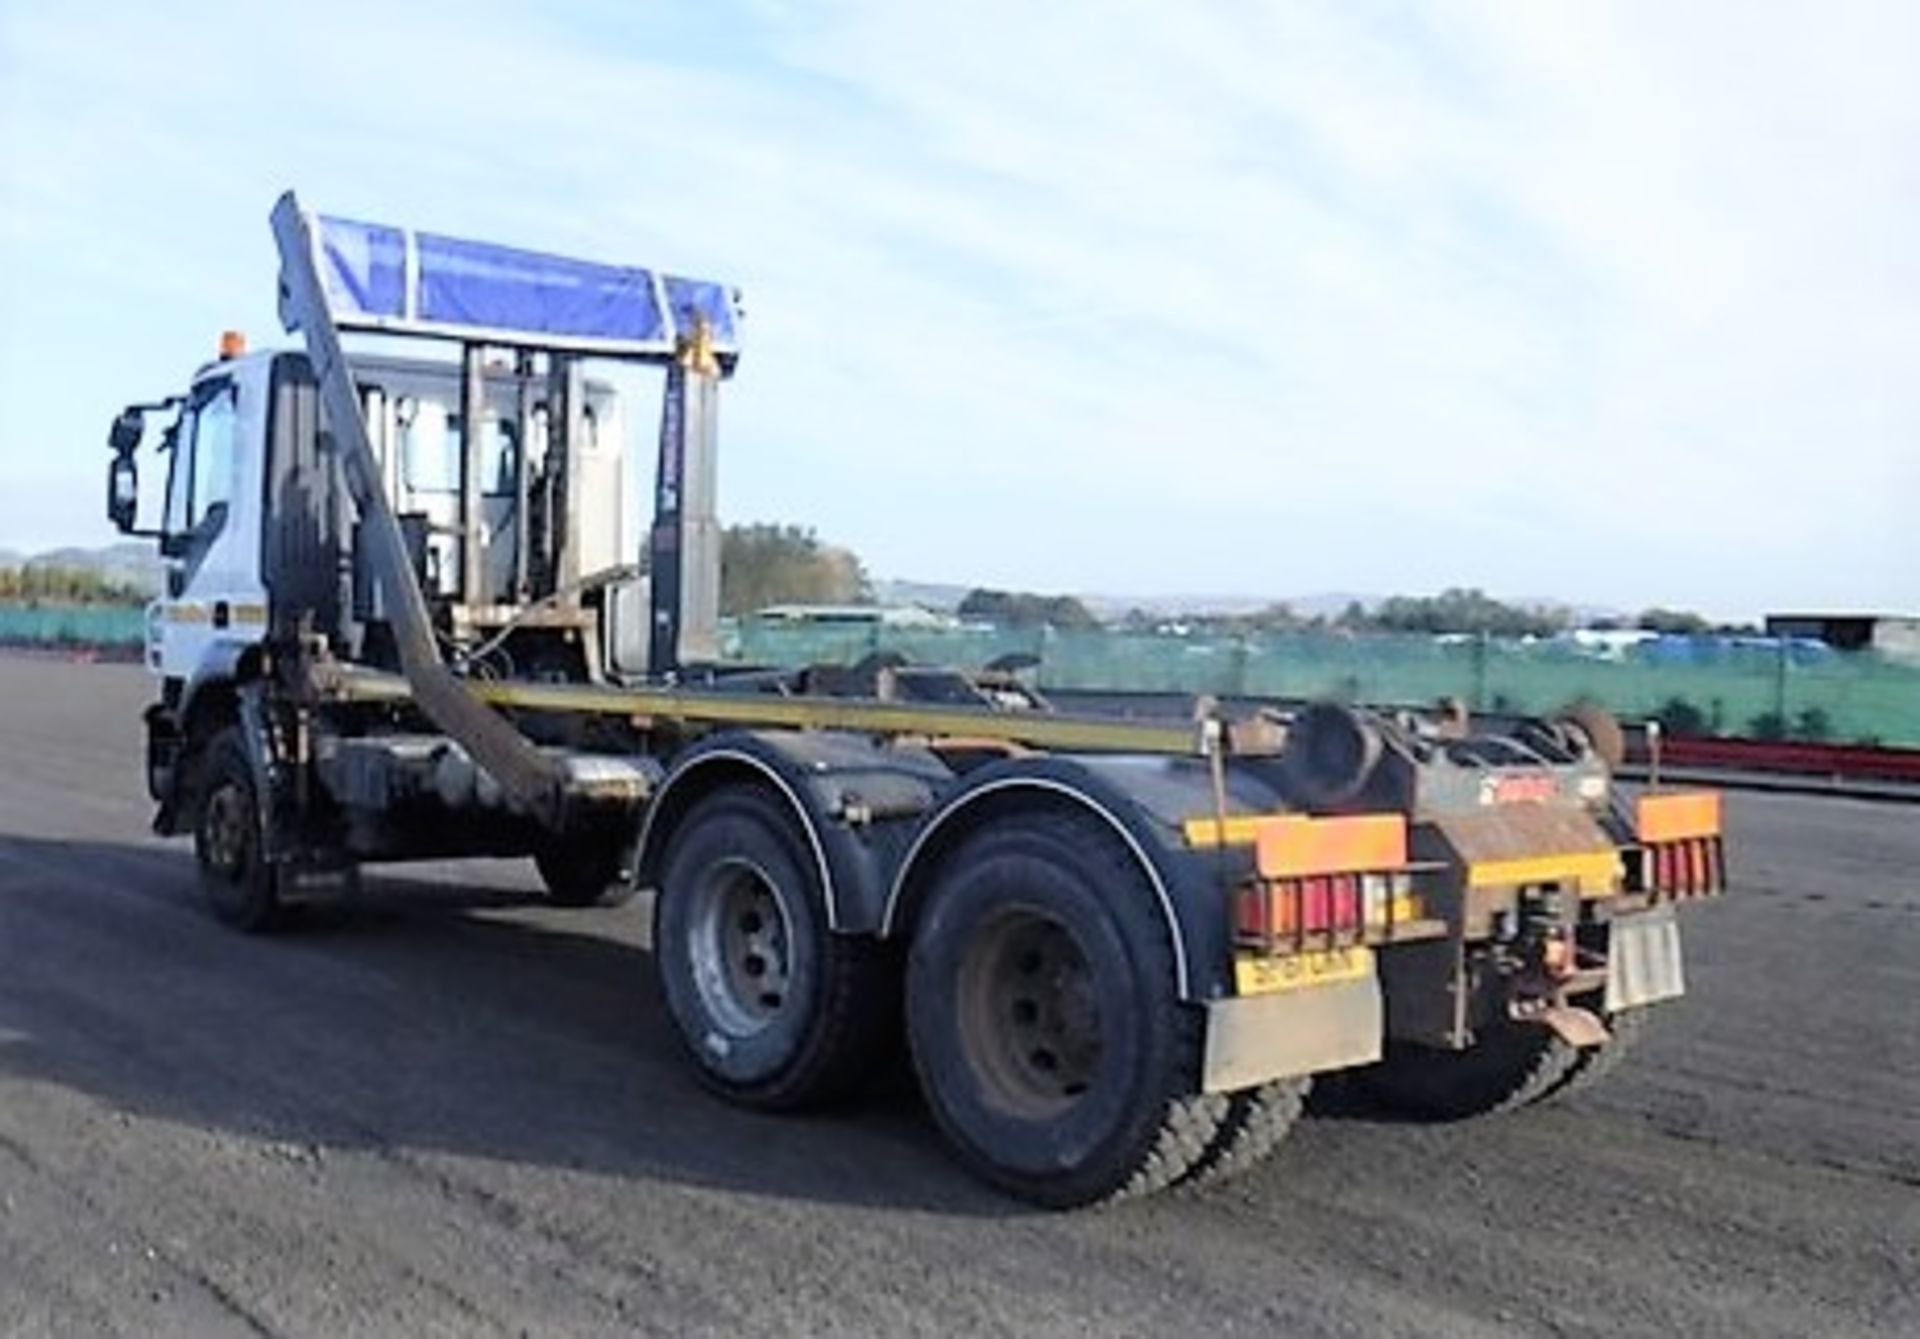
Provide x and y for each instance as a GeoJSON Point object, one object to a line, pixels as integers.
{"type": "Point", "coordinates": [896, 616]}
{"type": "Point", "coordinates": [1610, 643]}
{"type": "Point", "coordinates": [1893, 635]}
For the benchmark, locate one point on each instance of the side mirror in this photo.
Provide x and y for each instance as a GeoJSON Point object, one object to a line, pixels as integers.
{"type": "Point", "coordinates": [127, 431]}
{"type": "Point", "coordinates": [123, 492]}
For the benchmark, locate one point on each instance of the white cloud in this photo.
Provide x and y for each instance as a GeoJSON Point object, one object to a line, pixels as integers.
{"type": "Point", "coordinates": [1615, 303]}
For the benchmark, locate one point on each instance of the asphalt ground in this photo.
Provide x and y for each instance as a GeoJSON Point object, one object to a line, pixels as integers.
{"type": "Point", "coordinates": [451, 1110]}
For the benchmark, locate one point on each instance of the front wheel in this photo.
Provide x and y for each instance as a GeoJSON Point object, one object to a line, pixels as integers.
{"type": "Point", "coordinates": [1050, 1041]}
{"type": "Point", "coordinates": [242, 889]}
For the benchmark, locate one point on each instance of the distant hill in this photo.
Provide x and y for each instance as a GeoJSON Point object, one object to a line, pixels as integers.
{"type": "Point", "coordinates": [946, 596]}
{"type": "Point", "coordinates": [1327, 604]}
{"type": "Point", "coordinates": [129, 562]}
{"type": "Point", "coordinates": [941, 597]}
{"type": "Point", "coordinates": [137, 564]}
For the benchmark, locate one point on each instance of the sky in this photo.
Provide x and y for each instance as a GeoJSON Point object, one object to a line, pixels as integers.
{"type": "Point", "coordinates": [1616, 304]}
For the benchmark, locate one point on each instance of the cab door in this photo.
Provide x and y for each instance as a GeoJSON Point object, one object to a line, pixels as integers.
{"type": "Point", "coordinates": [214, 593]}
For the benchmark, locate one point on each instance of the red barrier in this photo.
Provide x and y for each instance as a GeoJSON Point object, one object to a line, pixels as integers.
{"type": "Point", "coordinates": [1855, 761]}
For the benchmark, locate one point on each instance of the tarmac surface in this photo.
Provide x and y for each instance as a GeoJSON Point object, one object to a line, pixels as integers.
{"type": "Point", "coordinates": [454, 1111]}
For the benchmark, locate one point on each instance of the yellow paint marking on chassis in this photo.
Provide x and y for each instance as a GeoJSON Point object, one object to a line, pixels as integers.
{"type": "Point", "coordinates": [1234, 830]}
{"type": "Point", "coordinates": [1255, 974]}
{"type": "Point", "coordinates": [1596, 872]}
{"type": "Point", "coordinates": [185, 612]}
{"type": "Point", "coordinates": [866, 715]}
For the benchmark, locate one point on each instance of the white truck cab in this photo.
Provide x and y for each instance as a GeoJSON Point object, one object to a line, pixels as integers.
{"type": "Point", "coordinates": [248, 418]}
{"type": "Point", "coordinates": [211, 526]}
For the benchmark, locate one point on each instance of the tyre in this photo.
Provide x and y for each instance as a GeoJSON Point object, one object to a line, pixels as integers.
{"type": "Point", "coordinates": [774, 1011]}
{"type": "Point", "coordinates": [1046, 1030]}
{"type": "Point", "coordinates": [1256, 1123]}
{"type": "Point", "coordinates": [590, 875]}
{"type": "Point", "coordinates": [1511, 1066]}
{"type": "Point", "coordinates": [1626, 1029]}
{"type": "Point", "coordinates": [1602, 730]}
{"type": "Point", "coordinates": [241, 888]}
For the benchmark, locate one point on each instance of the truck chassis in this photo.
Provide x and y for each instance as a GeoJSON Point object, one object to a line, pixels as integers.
{"type": "Point", "coordinates": [1119, 949]}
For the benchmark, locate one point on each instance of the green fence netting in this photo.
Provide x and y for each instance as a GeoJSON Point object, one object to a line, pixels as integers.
{"type": "Point", "coordinates": [1748, 686]}
{"type": "Point", "coordinates": [73, 624]}
{"type": "Point", "coordinates": [1751, 687]}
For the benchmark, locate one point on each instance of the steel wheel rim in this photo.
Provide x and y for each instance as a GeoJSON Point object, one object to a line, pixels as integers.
{"type": "Point", "coordinates": [740, 948]}
{"type": "Point", "coordinates": [1029, 1014]}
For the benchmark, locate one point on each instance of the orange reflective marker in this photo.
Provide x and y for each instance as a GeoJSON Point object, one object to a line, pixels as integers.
{"type": "Point", "coordinates": [1677, 816]}
{"type": "Point", "coordinates": [1294, 846]}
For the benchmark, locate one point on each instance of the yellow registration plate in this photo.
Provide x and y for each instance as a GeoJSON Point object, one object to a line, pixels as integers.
{"type": "Point", "coordinates": [1257, 975]}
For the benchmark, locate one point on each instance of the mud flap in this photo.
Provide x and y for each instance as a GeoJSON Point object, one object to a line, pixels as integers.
{"type": "Point", "coordinates": [1643, 960]}
{"type": "Point", "coordinates": [1252, 1039]}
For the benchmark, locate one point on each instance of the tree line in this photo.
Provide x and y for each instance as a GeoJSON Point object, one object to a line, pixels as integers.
{"type": "Point", "coordinates": [762, 565]}
{"type": "Point", "coordinates": [766, 564]}
{"type": "Point", "coordinates": [1459, 611]}
{"type": "Point", "coordinates": [48, 583]}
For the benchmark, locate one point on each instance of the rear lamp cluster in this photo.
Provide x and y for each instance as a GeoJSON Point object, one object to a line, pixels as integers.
{"type": "Point", "coordinates": [1690, 867]}
{"type": "Point", "coordinates": [1324, 910]}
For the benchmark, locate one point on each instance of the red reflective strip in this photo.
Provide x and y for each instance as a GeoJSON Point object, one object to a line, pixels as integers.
{"type": "Point", "coordinates": [1313, 905]}
{"type": "Point", "coordinates": [1267, 909]}
{"type": "Point", "coordinates": [1251, 913]}
{"type": "Point", "coordinates": [1346, 907]}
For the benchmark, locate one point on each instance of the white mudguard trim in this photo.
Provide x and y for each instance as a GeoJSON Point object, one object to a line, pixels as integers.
{"type": "Point", "coordinates": [793, 800]}
{"type": "Point", "coordinates": [1087, 802]}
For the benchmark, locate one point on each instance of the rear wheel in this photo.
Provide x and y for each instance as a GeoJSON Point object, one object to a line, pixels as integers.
{"type": "Point", "coordinates": [1509, 1066]}
{"type": "Point", "coordinates": [1046, 1030]}
{"type": "Point", "coordinates": [774, 1011]}
{"type": "Point", "coordinates": [1596, 1063]}
{"type": "Point", "coordinates": [241, 887]}
{"type": "Point", "coordinates": [1602, 730]}
{"type": "Point", "coordinates": [1512, 1065]}
{"type": "Point", "coordinates": [1256, 1123]}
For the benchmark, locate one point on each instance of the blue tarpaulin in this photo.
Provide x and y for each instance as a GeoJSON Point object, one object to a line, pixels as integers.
{"type": "Point", "coordinates": [689, 298]}
{"type": "Point", "coordinates": [363, 266]}
{"type": "Point", "coordinates": [383, 278]}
